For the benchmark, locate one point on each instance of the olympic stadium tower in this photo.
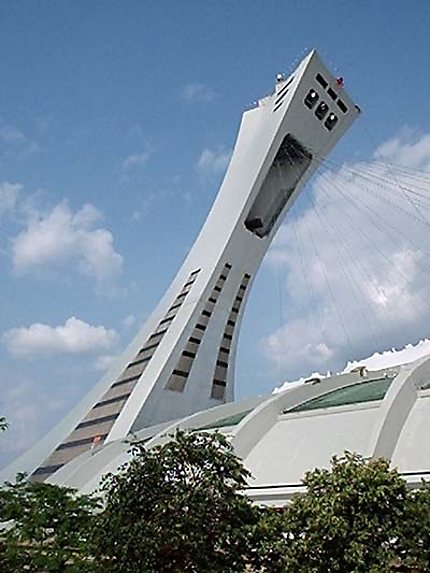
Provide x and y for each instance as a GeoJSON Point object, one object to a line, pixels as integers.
{"type": "Point", "coordinates": [182, 360]}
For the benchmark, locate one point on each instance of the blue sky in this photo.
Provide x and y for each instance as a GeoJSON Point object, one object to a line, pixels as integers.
{"type": "Point", "coordinates": [116, 124]}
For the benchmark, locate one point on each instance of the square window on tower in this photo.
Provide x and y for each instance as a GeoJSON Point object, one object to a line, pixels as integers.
{"type": "Point", "coordinates": [321, 110]}
{"type": "Point", "coordinates": [331, 121]}
{"type": "Point", "coordinates": [311, 99]}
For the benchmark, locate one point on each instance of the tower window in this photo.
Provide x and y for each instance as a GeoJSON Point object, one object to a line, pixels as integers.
{"type": "Point", "coordinates": [331, 121]}
{"type": "Point", "coordinates": [321, 110]}
{"type": "Point", "coordinates": [284, 175]}
{"type": "Point", "coordinates": [311, 99]}
{"type": "Point", "coordinates": [321, 80]}
{"type": "Point", "coordinates": [332, 93]}
{"type": "Point", "coordinates": [342, 106]}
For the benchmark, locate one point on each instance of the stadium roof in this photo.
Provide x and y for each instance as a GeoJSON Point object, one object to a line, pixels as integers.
{"type": "Point", "coordinates": [282, 436]}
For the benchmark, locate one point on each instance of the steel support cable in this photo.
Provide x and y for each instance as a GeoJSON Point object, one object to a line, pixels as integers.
{"type": "Point", "coordinates": [345, 256]}
{"type": "Point", "coordinates": [370, 176]}
{"type": "Point", "coordinates": [358, 206]}
{"type": "Point", "coordinates": [390, 203]}
{"type": "Point", "coordinates": [298, 245]}
{"type": "Point", "coordinates": [388, 309]}
{"type": "Point", "coordinates": [282, 363]}
{"type": "Point", "coordinates": [416, 175]}
{"type": "Point", "coordinates": [420, 295]}
{"type": "Point", "coordinates": [279, 281]}
{"type": "Point", "coordinates": [414, 170]}
{"type": "Point", "coordinates": [348, 275]}
{"type": "Point", "coordinates": [337, 311]}
{"type": "Point", "coordinates": [394, 205]}
{"type": "Point", "coordinates": [374, 247]}
{"type": "Point", "coordinates": [318, 257]}
{"type": "Point", "coordinates": [308, 282]}
{"type": "Point", "coordinates": [421, 195]}
{"type": "Point", "coordinates": [309, 287]}
{"type": "Point", "coordinates": [397, 207]}
{"type": "Point", "coordinates": [282, 320]}
{"type": "Point", "coordinates": [407, 197]}
{"type": "Point", "coordinates": [363, 278]}
{"type": "Point", "coordinates": [281, 314]}
{"type": "Point", "coordinates": [374, 180]}
{"type": "Point", "coordinates": [384, 163]}
{"type": "Point", "coordinates": [397, 232]}
{"type": "Point", "coordinates": [361, 268]}
{"type": "Point", "coordinates": [422, 268]}
{"type": "Point", "coordinates": [367, 172]}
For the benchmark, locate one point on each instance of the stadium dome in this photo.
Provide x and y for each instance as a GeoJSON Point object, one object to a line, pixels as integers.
{"type": "Point", "coordinates": [282, 436]}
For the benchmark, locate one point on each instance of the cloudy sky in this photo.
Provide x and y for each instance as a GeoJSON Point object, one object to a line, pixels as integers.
{"type": "Point", "coordinates": [117, 120]}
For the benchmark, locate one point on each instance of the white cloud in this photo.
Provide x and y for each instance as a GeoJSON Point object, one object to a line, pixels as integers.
{"type": "Point", "coordinates": [355, 261]}
{"type": "Point", "coordinates": [61, 237]}
{"type": "Point", "coordinates": [9, 134]}
{"type": "Point", "coordinates": [136, 160]}
{"type": "Point", "coordinates": [407, 149]}
{"type": "Point", "coordinates": [129, 321]}
{"type": "Point", "coordinates": [22, 403]}
{"type": "Point", "coordinates": [377, 361]}
{"type": "Point", "coordinates": [197, 92]}
{"type": "Point", "coordinates": [102, 363]}
{"type": "Point", "coordinates": [393, 357]}
{"type": "Point", "coordinates": [14, 142]}
{"type": "Point", "coordinates": [9, 196]}
{"type": "Point", "coordinates": [73, 337]}
{"type": "Point", "coordinates": [213, 161]}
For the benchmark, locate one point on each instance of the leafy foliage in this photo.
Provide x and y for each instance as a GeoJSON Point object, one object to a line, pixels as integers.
{"type": "Point", "coordinates": [356, 517]}
{"type": "Point", "coordinates": [414, 542]}
{"type": "Point", "coordinates": [177, 508]}
{"type": "Point", "coordinates": [44, 528]}
{"type": "Point", "coordinates": [268, 544]}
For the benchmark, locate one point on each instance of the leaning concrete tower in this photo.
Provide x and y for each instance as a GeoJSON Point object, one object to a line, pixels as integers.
{"type": "Point", "coordinates": [182, 360]}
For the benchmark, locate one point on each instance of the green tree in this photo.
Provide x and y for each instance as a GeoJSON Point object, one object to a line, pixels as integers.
{"type": "Point", "coordinates": [44, 528]}
{"type": "Point", "coordinates": [177, 508]}
{"type": "Point", "coordinates": [357, 517]}
{"type": "Point", "coordinates": [414, 541]}
{"type": "Point", "coordinates": [268, 552]}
